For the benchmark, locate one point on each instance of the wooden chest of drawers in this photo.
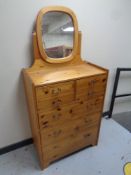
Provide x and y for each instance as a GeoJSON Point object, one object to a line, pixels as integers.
{"type": "Point", "coordinates": [65, 94]}
{"type": "Point", "coordinates": [65, 115]}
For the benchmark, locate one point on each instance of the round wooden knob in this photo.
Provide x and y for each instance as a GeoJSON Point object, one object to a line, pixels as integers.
{"type": "Point", "coordinates": [56, 103]}
{"type": "Point", "coordinates": [56, 91]}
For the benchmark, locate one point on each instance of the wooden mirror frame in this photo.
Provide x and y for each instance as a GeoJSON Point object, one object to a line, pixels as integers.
{"type": "Point", "coordinates": [39, 33]}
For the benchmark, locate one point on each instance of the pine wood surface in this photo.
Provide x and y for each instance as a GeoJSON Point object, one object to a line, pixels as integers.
{"type": "Point", "coordinates": [70, 144]}
{"type": "Point", "coordinates": [62, 73]}
{"type": "Point", "coordinates": [34, 120]}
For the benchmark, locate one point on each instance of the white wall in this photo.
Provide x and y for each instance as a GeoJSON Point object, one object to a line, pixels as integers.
{"type": "Point", "coordinates": [106, 29]}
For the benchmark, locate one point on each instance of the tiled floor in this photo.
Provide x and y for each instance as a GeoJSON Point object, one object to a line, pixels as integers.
{"type": "Point", "coordinates": [108, 158]}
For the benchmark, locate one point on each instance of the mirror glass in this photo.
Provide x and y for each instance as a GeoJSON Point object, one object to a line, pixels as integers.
{"type": "Point", "coordinates": [57, 34]}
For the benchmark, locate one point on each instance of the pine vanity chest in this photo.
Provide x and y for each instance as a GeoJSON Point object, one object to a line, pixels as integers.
{"type": "Point", "coordinates": [65, 95]}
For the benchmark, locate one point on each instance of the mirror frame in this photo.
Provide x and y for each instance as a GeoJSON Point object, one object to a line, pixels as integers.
{"type": "Point", "coordinates": [39, 33]}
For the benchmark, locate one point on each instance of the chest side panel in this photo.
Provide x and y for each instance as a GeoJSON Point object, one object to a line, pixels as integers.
{"type": "Point", "coordinates": [31, 102]}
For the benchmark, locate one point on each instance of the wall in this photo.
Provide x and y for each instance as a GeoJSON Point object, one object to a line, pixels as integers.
{"type": "Point", "coordinates": [106, 28]}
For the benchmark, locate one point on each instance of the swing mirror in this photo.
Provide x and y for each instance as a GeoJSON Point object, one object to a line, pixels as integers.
{"type": "Point", "coordinates": [57, 34]}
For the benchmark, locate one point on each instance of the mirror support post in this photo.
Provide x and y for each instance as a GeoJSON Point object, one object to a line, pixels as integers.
{"type": "Point", "coordinates": [79, 43]}
{"type": "Point", "coordinates": [35, 47]}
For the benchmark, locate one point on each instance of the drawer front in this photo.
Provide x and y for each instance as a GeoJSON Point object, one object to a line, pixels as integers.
{"type": "Point", "coordinates": [55, 103]}
{"type": "Point", "coordinates": [91, 86]}
{"type": "Point", "coordinates": [91, 105]}
{"type": "Point", "coordinates": [54, 133]}
{"type": "Point", "coordinates": [99, 80]}
{"type": "Point", "coordinates": [55, 117]}
{"type": "Point", "coordinates": [70, 113]}
{"type": "Point", "coordinates": [54, 90]}
{"type": "Point", "coordinates": [70, 144]}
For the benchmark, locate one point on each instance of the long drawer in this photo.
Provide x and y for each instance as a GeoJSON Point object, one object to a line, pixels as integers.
{"type": "Point", "coordinates": [71, 112]}
{"type": "Point", "coordinates": [54, 133]}
{"type": "Point", "coordinates": [68, 103]}
{"type": "Point", "coordinates": [55, 103]}
{"type": "Point", "coordinates": [71, 144]}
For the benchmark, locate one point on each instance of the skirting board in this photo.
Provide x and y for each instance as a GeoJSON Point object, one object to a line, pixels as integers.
{"type": "Point", "coordinates": [26, 142]}
{"type": "Point", "coordinates": [15, 146]}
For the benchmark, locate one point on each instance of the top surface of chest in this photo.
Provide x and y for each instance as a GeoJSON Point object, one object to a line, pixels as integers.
{"type": "Point", "coordinates": [59, 74]}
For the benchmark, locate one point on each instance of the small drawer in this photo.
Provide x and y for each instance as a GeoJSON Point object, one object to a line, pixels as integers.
{"type": "Point", "coordinates": [92, 85]}
{"type": "Point", "coordinates": [54, 90]}
{"type": "Point", "coordinates": [69, 113]}
{"type": "Point", "coordinates": [59, 149]}
{"type": "Point", "coordinates": [89, 94]}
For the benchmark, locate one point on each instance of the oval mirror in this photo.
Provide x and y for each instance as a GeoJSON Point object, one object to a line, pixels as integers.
{"type": "Point", "coordinates": [57, 34]}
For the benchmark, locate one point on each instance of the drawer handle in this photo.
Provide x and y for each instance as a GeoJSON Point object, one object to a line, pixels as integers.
{"type": "Point", "coordinates": [93, 82]}
{"type": "Point", "coordinates": [56, 91]}
{"type": "Point", "coordinates": [56, 103]}
{"type": "Point", "coordinates": [46, 92]}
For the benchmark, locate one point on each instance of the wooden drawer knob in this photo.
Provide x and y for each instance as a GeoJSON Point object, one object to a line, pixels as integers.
{"type": "Point", "coordinates": [56, 103]}
{"type": "Point", "coordinates": [45, 90]}
{"type": "Point", "coordinates": [92, 82]}
{"type": "Point", "coordinates": [56, 91]}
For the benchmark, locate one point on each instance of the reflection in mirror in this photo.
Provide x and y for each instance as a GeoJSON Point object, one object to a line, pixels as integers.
{"type": "Point", "coordinates": [57, 34]}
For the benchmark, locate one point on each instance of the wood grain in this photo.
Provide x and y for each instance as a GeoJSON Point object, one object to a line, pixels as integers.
{"type": "Point", "coordinates": [34, 120]}
{"type": "Point", "coordinates": [71, 144]}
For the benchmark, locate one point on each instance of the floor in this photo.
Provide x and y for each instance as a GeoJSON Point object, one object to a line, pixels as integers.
{"type": "Point", "coordinates": [108, 158]}
{"type": "Point", "coordinates": [123, 119]}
